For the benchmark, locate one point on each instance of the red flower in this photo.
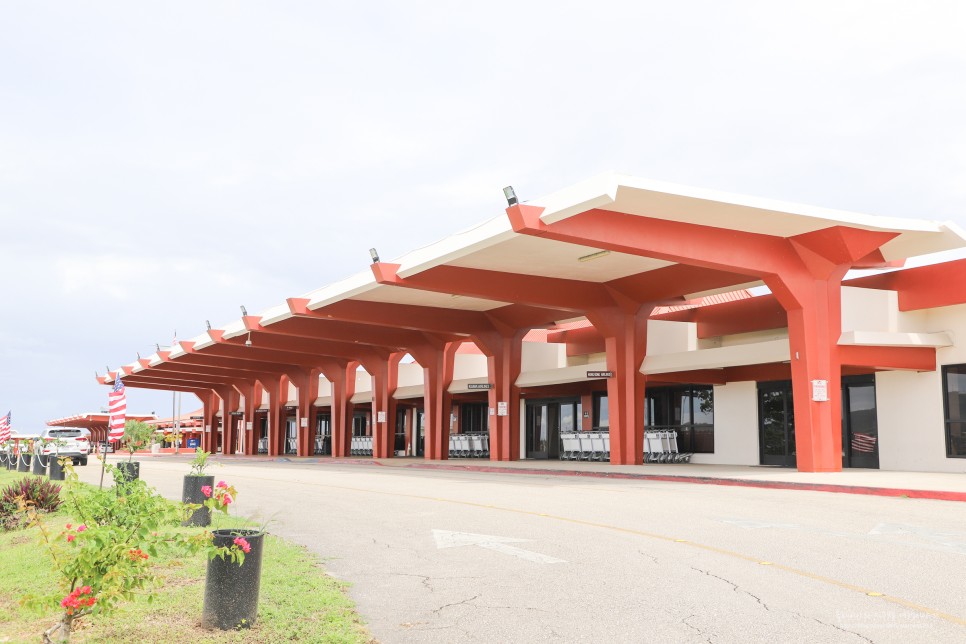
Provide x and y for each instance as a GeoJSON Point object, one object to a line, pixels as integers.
{"type": "Point", "coordinates": [243, 544]}
{"type": "Point", "coordinates": [70, 538]}
{"type": "Point", "coordinates": [221, 484]}
{"type": "Point", "coordinates": [225, 500]}
{"type": "Point", "coordinates": [206, 490]}
{"type": "Point", "coordinates": [68, 526]}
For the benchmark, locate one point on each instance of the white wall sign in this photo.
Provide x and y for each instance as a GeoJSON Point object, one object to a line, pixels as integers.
{"type": "Point", "coordinates": [501, 409]}
{"type": "Point", "coordinates": [248, 425]}
{"type": "Point", "coordinates": [380, 417]}
{"type": "Point", "coordinates": [492, 412]}
{"type": "Point", "coordinates": [820, 390]}
{"type": "Point", "coordinates": [303, 422]}
{"type": "Point", "coordinates": [207, 428]}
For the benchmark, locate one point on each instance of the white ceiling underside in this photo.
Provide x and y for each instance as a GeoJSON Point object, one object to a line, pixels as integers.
{"type": "Point", "coordinates": [399, 295]}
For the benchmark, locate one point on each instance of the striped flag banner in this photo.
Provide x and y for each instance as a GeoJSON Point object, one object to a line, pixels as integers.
{"type": "Point", "coordinates": [5, 428]}
{"type": "Point", "coordinates": [117, 407]}
{"type": "Point", "coordinates": [863, 443]}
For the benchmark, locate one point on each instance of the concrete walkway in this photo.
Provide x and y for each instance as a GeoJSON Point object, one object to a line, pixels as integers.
{"type": "Point", "coordinates": [949, 486]}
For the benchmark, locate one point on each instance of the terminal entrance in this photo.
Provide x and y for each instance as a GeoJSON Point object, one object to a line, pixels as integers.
{"type": "Point", "coordinates": [545, 420]}
{"type": "Point", "coordinates": [860, 436]}
{"type": "Point", "coordinates": [776, 424]}
{"type": "Point", "coordinates": [860, 431]}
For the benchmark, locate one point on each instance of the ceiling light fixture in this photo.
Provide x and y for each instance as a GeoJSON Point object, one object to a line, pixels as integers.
{"type": "Point", "coordinates": [248, 341]}
{"type": "Point", "coordinates": [592, 256]}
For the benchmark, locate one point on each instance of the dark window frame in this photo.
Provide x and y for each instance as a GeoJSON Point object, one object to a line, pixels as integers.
{"type": "Point", "coordinates": [947, 421]}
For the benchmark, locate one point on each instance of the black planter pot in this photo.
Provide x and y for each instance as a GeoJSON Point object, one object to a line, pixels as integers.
{"type": "Point", "coordinates": [11, 462]}
{"type": "Point", "coordinates": [23, 463]}
{"type": "Point", "coordinates": [191, 493]}
{"type": "Point", "coordinates": [56, 469]}
{"type": "Point", "coordinates": [231, 591]}
{"type": "Point", "coordinates": [38, 465]}
{"type": "Point", "coordinates": [129, 470]}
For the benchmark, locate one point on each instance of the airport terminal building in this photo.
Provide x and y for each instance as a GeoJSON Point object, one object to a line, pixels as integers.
{"type": "Point", "coordinates": [591, 323]}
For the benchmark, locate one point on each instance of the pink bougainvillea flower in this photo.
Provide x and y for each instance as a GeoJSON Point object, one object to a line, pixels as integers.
{"type": "Point", "coordinates": [242, 543]}
{"type": "Point", "coordinates": [68, 526]}
{"type": "Point", "coordinates": [221, 484]}
{"type": "Point", "coordinates": [81, 528]}
{"type": "Point", "coordinates": [225, 500]}
{"type": "Point", "coordinates": [71, 537]}
{"type": "Point", "coordinates": [206, 490]}
{"type": "Point", "coordinates": [85, 590]}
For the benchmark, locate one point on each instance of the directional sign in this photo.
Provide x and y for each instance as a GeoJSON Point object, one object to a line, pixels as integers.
{"type": "Point", "coordinates": [600, 374]}
{"type": "Point", "coordinates": [479, 385]}
{"type": "Point", "coordinates": [447, 539]}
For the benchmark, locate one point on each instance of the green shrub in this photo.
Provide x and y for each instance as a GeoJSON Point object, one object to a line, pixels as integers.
{"type": "Point", "coordinates": [30, 491]}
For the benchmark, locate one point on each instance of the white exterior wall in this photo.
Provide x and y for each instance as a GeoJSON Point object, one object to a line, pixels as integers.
{"type": "Point", "coordinates": [469, 365]}
{"type": "Point", "coordinates": [671, 337]}
{"type": "Point", "coordinates": [538, 356]}
{"type": "Point", "coordinates": [735, 425]}
{"type": "Point", "coordinates": [410, 375]}
{"type": "Point", "coordinates": [912, 432]}
{"type": "Point", "coordinates": [867, 309]}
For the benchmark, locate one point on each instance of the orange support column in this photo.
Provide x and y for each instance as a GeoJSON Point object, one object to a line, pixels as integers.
{"type": "Point", "coordinates": [274, 388]}
{"type": "Point", "coordinates": [625, 340]}
{"type": "Point", "coordinates": [308, 392]}
{"type": "Point", "coordinates": [503, 358]}
{"type": "Point", "coordinates": [253, 399]}
{"type": "Point", "coordinates": [342, 377]}
{"type": "Point", "coordinates": [814, 308]}
{"type": "Point", "coordinates": [437, 363]}
{"type": "Point", "coordinates": [229, 403]}
{"type": "Point", "coordinates": [385, 375]}
{"type": "Point", "coordinates": [209, 406]}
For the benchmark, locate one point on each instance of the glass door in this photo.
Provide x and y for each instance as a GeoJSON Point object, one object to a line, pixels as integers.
{"type": "Point", "coordinates": [323, 434]}
{"type": "Point", "coordinates": [860, 432]}
{"type": "Point", "coordinates": [776, 424]}
{"type": "Point", "coordinates": [545, 420]}
{"type": "Point", "coordinates": [419, 433]}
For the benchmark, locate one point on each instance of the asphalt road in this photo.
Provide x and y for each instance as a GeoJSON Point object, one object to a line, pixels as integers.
{"type": "Point", "coordinates": [479, 557]}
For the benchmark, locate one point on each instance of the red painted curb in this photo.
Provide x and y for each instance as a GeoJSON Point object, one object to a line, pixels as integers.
{"type": "Point", "coordinates": [710, 480]}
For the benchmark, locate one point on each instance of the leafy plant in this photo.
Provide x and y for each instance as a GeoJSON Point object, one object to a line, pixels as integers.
{"type": "Point", "coordinates": [30, 491]}
{"type": "Point", "coordinates": [137, 435]}
{"type": "Point", "coordinates": [199, 463]}
{"type": "Point", "coordinates": [104, 558]}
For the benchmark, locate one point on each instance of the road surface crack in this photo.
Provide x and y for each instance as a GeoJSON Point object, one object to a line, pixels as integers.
{"type": "Point", "coordinates": [459, 603]}
{"type": "Point", "coordinates": [734, 587]}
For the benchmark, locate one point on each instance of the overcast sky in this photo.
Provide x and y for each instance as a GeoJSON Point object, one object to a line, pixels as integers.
{"type": "Point", "coordinates": [163, 163]}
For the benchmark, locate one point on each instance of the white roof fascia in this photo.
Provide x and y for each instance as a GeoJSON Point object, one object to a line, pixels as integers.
{"type": "Point", "coordinates": [894, 339]}
{"type": "Point", "coordinates": [718, 357]}
{"type": "Point", "coordinates": [203, 340]}
{"type": "Point", "coordinates": [275, 314]}
{"type": "Point", "coordinates": [467, 242]}
{"type": "Point", "coordinates": [356, 285]}
{"type": "Point", "coordinates": [234, 329]}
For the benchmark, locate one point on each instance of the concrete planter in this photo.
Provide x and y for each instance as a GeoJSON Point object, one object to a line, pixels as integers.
{"type": "Point", "coordinates": [191, 493]}
{"type": "Point", "coordinates": [23, 463]}
{"type": "Point", "coordinates": [231, 591]}
{"type": "Point", "coordinates": [129, 471]}
{"type": "Point", "coordinates": [56, 469]}
{"type": "Point", "coordinates": [38, 465]}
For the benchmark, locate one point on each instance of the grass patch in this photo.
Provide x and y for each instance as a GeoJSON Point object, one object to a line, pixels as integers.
{"type": "Point", "coordinates": [298, 601]}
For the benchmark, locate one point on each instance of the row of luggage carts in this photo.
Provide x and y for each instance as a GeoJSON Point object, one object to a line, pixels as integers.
{"type": "Point", "coordinates": [659, 447]}
{"type": "Point", "coordinates": [585, 446]}
{"type": "Point", "coordinates": [469, 446]}
{"type": "Point", "coordinates": [662, 447]}
{"type": "Point", "coordinates": [361, 446]}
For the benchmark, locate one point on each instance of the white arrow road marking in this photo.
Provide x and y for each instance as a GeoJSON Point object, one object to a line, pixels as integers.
{"type": "Point", "coordinates": [448, 539]}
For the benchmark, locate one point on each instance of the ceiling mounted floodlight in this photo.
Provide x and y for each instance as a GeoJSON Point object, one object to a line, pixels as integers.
{"type": "Point", "coordinates": [208, 324]}
{"type": "Point", "coordinates": [374, 255]}
{"type": "Point", "coordinates": [248, 341]}
{"type": "Point", "coordinates": [139, 354]}
{"type": "Point", "coordinates": [157, 347]}
{"type": "Point", "coordinates": [511, 197]}
{"type": "Point", "coordinates": [244, 310]}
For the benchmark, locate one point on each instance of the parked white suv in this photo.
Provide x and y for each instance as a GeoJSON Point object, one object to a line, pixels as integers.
{"type": "Point", "coordinates": [74, 442]}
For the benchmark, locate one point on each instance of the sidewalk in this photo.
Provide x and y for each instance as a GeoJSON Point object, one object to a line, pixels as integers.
{"type": "Point", "coordinates": [945, 486]}
{"type": "Point", "coordinates": [922, 485]}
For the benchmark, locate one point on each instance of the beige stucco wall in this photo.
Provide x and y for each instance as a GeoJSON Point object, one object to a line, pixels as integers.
{"type": "Point", "coordinates": [735, 425]}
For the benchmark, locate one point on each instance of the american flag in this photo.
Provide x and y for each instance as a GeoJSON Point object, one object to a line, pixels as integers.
{"type": "Point", "coordinates": [117, 407]}
{"type": "Point", "coordinates": [863, 443]}
{"type": "Point", "coordinates": [5, 428]}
